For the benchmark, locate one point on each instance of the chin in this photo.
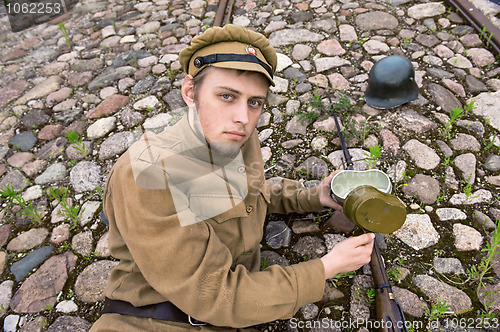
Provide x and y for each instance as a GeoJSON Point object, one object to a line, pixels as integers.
{"type": "Point", "coordinates": [226, 149]}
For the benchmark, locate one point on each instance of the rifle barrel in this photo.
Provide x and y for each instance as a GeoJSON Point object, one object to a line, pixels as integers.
{"type": "Point", "coordinates": [347, 155]}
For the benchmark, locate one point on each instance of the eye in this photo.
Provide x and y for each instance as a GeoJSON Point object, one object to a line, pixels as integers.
{"type": "Point", "coordinates": [255, 103]}
{"type": "Point", "coordinates": [226, 96]}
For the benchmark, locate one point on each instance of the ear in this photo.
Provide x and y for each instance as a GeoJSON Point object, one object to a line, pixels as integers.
{"type": "Point", "coordinates": [188, 90]}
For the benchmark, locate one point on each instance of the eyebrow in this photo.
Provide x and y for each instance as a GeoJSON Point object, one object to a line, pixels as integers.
{"type": "Point", "coordinates": [239, 93]}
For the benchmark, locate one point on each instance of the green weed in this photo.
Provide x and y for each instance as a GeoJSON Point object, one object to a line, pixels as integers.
{"type": "Point", "coordinates": [99, 192]}
{"type": "Point", "coordinates": [468, 108]}
{"type": "Point", "coordinates": [65, 34]}
{"type": "Point", "coordinates": [316, 102]}
{"type": "Point", "coordinates": [14, 198]}
{"type": "Point", "coordinates": [310, 116]}
{"type": "Point", "coordinates": [368, 294]}
{"type": "Point", "coordinates": [365, 130]}
{"type": "Point", "coordinates": [395, 274]}
{"type": "Point", "coordinates": [343, 105]}
{"type": "Point", "coordinates": [468, 190]}
{"type": "Point", "coordinates": [436, 311]}
{"type": "Point", "coordinates": [491, 141]}
{"type": "Point", "coordinates": [478, 274]}
{"type": "Point", "coordinates": [335, 280]}
{"type": "Point", "coordinates": [455, 114]}
{"type": "Point", "coordinates": [446, 161]}
{"type": "Point", "coordinates": [363, 40]}
{"type": "Point", "coordinates": [264, 263]}
{"type": "Point", "coordinates": [72, 213]}
{"type": "Point", "coordinates": [77, 142]}
{"type": "Point", "coordinates": [374, 155]}
{"type": "Point", "coordinates": [440, 198]}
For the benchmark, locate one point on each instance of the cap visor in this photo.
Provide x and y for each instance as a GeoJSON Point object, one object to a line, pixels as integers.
{"type": "Point", "coordinates": [248, 66]}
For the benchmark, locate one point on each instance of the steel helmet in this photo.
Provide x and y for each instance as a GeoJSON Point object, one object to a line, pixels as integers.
{"type": "Point", "coordinates": [391, 83]}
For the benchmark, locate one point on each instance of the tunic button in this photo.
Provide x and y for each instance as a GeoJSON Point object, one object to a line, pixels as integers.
{"type": "Point", "coordinates": [241, 169]}
{"type": "Point", "coordinates": [249, 208]}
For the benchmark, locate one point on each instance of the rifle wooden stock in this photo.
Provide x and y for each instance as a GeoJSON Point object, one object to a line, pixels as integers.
{"type": "Point", "coordinates": [388, 309]}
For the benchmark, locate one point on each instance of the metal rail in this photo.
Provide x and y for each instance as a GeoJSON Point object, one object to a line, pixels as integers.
{"type": "Point", "coordinates": [223, 13]}
{"type": "Point", "coordinates": [488, 32]}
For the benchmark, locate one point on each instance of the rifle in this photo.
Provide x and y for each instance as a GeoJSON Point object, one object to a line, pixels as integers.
{"type": "Point", "coordinates": [388, 310]}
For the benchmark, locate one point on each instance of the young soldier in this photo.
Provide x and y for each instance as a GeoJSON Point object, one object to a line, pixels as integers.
{"type": "Point", "coordinates": [187, 207]}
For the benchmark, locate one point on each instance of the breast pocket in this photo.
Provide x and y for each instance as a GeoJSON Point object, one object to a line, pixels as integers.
{"type": "Point", "coordinates": [226, 224]}
{"type": "Point", "coordinates": [210, 205]}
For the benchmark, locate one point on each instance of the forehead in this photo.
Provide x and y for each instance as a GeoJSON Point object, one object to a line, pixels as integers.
{"type": "Point", "coordinates": [246, 77]}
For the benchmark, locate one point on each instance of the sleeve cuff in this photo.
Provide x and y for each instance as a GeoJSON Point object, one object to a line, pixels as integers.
{"type": "Point", "coordinates": [309, 200]}
{"type": "Point", "coordinates": [310, 282]}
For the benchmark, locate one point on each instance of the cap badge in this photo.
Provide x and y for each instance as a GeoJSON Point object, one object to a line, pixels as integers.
{"type": "Point", "coordinates": [250, 50]}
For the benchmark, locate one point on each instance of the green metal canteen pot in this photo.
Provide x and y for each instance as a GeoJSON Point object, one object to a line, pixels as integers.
{"type": "Point", "coordinates": [367, 200]}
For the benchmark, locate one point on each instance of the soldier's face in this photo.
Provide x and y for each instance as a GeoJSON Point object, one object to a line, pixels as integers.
{"type": "Point", "coordinates": [228, 104]}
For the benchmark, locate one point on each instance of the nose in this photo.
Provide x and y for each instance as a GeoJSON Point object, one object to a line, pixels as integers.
{"type": "Point", "coordinates": [241, 113]}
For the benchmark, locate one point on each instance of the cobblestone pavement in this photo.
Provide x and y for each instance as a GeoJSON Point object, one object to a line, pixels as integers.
{"type": "Point", "coordinates": [70, 104]}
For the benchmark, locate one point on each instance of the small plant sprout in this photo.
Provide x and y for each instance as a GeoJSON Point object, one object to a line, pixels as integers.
{"type": "Point", "coordinates": [446, 161]}
{"type": "Point", "coordinates": [490, 142]}
{"type": "Point", "coordinates": [375, 153]}
{"type": "Point", "coordinates": [65, 34]}
{"type": "Point", "coordinates": [440, 197]}
{"type": "Point", "coordinates": [455, 114]}
{"type": "Point", "coordinates": [335, 280]}
{"type": "Point", "coordinates": [14, 198]}
{"type": "Point", "coordinates": [310, 115]}
{"type": "Point", "coordinates": [264, 263]}
{"type": "Point", "coordinates": [77, 142]}
{"type": "Point", "coordinates": [365, 130]}
{"type": "Point", "coordinates": [395, 273]}
{"type": "Point", "coordinates": [437, 310]}
{"type": "Point", "coordinates": [470, 107]}
{"type": "Point", "coordinates": [72, 213]}
{"type": "Point", "coordinates": [370, 295]}
{"type": "Point", "coordinates": [479, 273]}
{"type": "Point", "coordinates": [316, 102]}
{"type": "Point", "coordinates": [99, 192]}
{"type": "Point", "coordinates": [468, 189]}
{"type": "Point", "coordinates": [343, 104]}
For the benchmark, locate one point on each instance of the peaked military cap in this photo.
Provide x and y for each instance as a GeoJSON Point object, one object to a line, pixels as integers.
{"type": "Point", "coordinates": [233, 47]}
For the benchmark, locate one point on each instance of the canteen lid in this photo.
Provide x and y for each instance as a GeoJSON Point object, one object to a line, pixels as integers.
{"type": "Point", "coordinates": [374, 210]}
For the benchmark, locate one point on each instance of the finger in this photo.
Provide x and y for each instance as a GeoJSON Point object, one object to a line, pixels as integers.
{"type": "Point", "coordinates": [336, 206]}
{"type": "Point", "coordinates": [329, 202]}
{"type": "Point", "coordinates": [364, 239]}
{"type": "Point", "coordinates": [329, 178]}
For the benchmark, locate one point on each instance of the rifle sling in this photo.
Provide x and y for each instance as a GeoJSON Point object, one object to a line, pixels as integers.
{"type": "Point", "coordinates": [383, 286]}
{"type": "Point", "coordinates": [389, 290]}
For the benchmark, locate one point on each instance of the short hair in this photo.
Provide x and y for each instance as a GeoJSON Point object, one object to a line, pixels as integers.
{"type": "Point", "coordinates": [200, 77]}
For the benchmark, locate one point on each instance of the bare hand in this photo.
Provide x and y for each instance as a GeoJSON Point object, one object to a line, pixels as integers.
{"type": "Point", "coordinates": [348, 255]}
{"type": "Point", "coordinates": [324, 193]}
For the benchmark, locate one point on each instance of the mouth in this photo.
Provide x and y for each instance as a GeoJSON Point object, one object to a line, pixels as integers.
{"type": "Point", "coordinates": [235, 135]}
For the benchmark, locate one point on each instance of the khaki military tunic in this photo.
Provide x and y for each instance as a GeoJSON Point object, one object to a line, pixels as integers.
{"type": "Point", "coordinates": [210, 268]}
